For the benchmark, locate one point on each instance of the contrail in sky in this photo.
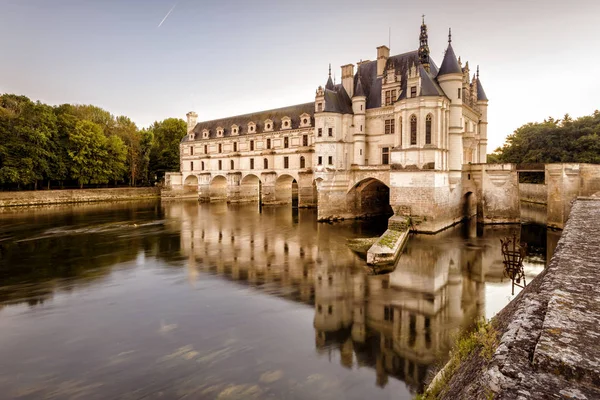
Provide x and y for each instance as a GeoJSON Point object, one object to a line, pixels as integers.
{"type": "Point", "coordinates": [167, 16]}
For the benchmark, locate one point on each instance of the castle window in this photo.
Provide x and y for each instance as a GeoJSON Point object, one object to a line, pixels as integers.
{"type": "Point", "coordinates": [231, 164]}
{"type": "Point", "coordinates": [302, 162]}
{"type": "Point", "coordinates": [413, 129]}
{"type": "Point", "coordinates": [319, 107]}
{"type": "Point", "coordinates": [330, 160]}
{"type": "Point", "coordinates": [320, 132]}
{"type": "Point", "coordinates": [252, 145]}
{"type": "Point", "coordinates": [268, 126]}
{"type": "Point", "coordinates": [268, 143]}
{"type": "Point", "coordinates": [220, 148]}
{"type": "Point", "coordinates": [385, 155]}
{"type": "Point", "coordinates": [304, 140]}
{"type": "Point", "coordinates": [389, 127]}
{"type": "Point", "coordinates": [330, 310]}
{"type": "Point", "coordinates": [191, 136]}
{"type": "Point", "coordinates": [220, 132]}
{"type": "Point", "coordinates": [202, 165]}
{"type": "Point", "coordinates": [388, 313]}
{"type": "Point", "coordinates": [361, 107]}
{"type": "Point", "coordinates": [192, 151]}
{"type": "Point", "coordinates": [286, 142]}
{"type": "Point", "coordinates": [220, 165]}
{"type": "Point", "coordinates": [413, 91]}
{"type": "Point", "coordinates": [330, 132]}
{"type": "Point", "coordinates": [205, 133]}
{"type": "Point", "coordinates": [205, 149]}
{"type": "Point", "coordinates": [428, 129]}
{"type": "Point", "coordinates": [234, 146]}
{"type": "Point", "coordinates": [286, 123]}
{"type": "Point", "coordinates": [252, 163]}
{"type": "Point", "coordinates": [266, 163]}
{"type": "Point", "coordinates": [390, 97]}
{"type": "Point", "coordinates": [459, 93]}
{"type": "Point", "coordinates": [191, 165]}
{"type": "Point", "coordinates": [320, 160]}
{"type": "Point", "coordinates": [304, 121]}
{"type": "Point", "coordinates": [286, 162]}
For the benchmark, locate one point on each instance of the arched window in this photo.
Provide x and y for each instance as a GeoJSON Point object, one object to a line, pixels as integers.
{"type": "Point", "coordinates": [428, 129]}
{"type": "Point", "coordinates": [266, 163]}
{"type": "Point", "coordinates": [413, 129]}
{"type": "Point", "coordinates": [232, 164]}
{"type": "Point", "coordinates": [302, 162]}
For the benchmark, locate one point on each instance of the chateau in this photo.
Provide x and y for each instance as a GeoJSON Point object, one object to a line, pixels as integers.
{"type": "Point", "coordinates": [392, 137]}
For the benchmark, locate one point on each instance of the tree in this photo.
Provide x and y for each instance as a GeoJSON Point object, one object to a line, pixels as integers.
{"type": "Point", "coordinates": [87, 149]}
{"type": "Point", "coordinates": [164, 155]}
{"type": "Point", "coordinates": [565, 140]}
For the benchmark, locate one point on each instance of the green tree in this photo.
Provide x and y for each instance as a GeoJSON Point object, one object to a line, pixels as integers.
{"type": "Point", "coordinates": [164, 155]}
{"type": "Point", "coordinates": [88, 152]}
{"type": "Point", "coordinates": [566, 140]}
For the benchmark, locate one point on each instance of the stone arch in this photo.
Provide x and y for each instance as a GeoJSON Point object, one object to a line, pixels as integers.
{"type": "Point", "coordinates": [191, 184]}
{"type": "Point", "coordinates": [469, 205]}
{"type": "Point", "coordinates": [218, 188]}
{"type": "Point", "coordinates": [369, 197]}
{"type": "Point", "coordinates": [250, 188]}
{"type": "Point", "coordinates": [286, 189]}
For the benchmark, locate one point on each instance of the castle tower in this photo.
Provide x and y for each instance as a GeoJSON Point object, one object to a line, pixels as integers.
{"type": "Point", "coordinates": [359, 105]}
{"type": "Point", "coordinates": [450, 78]}
{"type": "Point", "coordinates": [348, 79]}
{"type": "Point", "coordinates": [482, 104]}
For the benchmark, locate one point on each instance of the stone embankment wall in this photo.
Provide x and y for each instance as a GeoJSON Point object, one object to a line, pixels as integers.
{"type": "Point", "coordinates": [41, 197]}
{"type": "Point", "coordinates": [533, 193]}
{"type": "Point", "coordinates": [548, 336]}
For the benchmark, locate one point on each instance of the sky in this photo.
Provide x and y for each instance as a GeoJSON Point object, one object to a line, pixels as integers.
{"type": "Point", "coordinates": [537, 58]}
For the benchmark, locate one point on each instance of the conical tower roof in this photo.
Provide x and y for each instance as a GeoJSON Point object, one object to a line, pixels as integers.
{"type": "Point", "coordinates": [480, 92]}
{"type": "Point", "coordinates": [359, 89]}
{"type": "Point", "coordinates": [450, 63]}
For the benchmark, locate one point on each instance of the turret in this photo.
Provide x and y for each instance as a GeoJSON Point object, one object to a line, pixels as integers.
{"type": "Point", "coordinates": [192, 117]}
{"type": "Point", "coordinates": [482, 104]}
{"type": "Point", "coordinates": [450, 78]}
{"type": "Point", "coordinates": [359, 105]}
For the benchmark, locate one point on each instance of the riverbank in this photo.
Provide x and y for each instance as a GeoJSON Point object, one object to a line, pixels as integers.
{"type": "Point", "coordinates": [44, 197]}
{"type": "Point", "coordinates": [546, 339]}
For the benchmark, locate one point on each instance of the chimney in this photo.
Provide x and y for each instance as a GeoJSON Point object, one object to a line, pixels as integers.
{"type": "Point", "coordinates": [383, 53]}
{"type": "Point", "coordinates": [348, 78]}
{"type": "Point", "coordinates": [191, 120]}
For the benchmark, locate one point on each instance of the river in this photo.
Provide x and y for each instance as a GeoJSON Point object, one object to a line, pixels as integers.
{"type": "Point", "coordinates": [180, 300]}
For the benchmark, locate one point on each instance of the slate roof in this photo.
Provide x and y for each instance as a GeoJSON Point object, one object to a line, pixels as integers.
{"type": "Point", "coordinates": [450, 63]}
{"type": "Point", "coordinates": [480, 92]}
{"type": "Point", "coordinates": [293, 112]}
{"type": "Point", "coordinates": [337, 100]}
{"type": "Point", "coordinates": [371, 84]}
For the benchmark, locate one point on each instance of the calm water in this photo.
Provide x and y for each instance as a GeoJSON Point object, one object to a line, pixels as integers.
{"type": "Point", "coordinates": [179, 300]}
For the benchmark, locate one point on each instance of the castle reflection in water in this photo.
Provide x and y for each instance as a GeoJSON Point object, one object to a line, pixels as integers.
{"type": "Point", "coordinates": [401, 323]}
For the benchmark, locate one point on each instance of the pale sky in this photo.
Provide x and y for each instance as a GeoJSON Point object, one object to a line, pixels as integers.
{"type": "Point", "coordinates": [537, 58]}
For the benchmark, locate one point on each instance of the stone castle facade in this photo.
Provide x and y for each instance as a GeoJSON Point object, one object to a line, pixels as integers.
{"type": "Point", "coordinates": [393, 136]}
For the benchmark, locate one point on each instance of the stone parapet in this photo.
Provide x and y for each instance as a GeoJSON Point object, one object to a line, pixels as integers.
{"type": "Point", "coordinates": [42, 197]}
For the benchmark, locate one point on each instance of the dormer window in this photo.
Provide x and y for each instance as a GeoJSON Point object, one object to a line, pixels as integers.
{"type": "Point", "coordinates": [305, 120]}
{"type": "Point", "coordinates": [219, 131]}
{"type": "Point", "coordinates": [251, 127]}
{"type": "Point", "coordinates": [234, 129]}
{"type": "Point", "coordinates": [192, 136]}
{"type": "Point", "coordinates": [413, 92]}
{"type": "Point", "coordinates": [205, 133]}
{"type": "Point", "coordinates": [286, 123]}
{"type": "Point", "coordinates": [268, 125]}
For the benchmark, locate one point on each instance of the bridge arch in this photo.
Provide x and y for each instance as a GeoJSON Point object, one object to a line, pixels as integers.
{"type": "Point", "coordinates": [190, 184]}
{"type": "Point", "coordinates": [218, 188]}
{"type": "Point", "coordinates": [250, 188]}
{"type": "Point", "coordinates": [286, 189]}
{"type": "Point", "coordinates": [369, 197]}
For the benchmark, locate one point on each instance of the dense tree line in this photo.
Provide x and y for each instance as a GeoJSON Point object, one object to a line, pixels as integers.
{"type": "Point", "coordinates": [553, 141]}
{"type": "Point", "coordinates": [42, 146]}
